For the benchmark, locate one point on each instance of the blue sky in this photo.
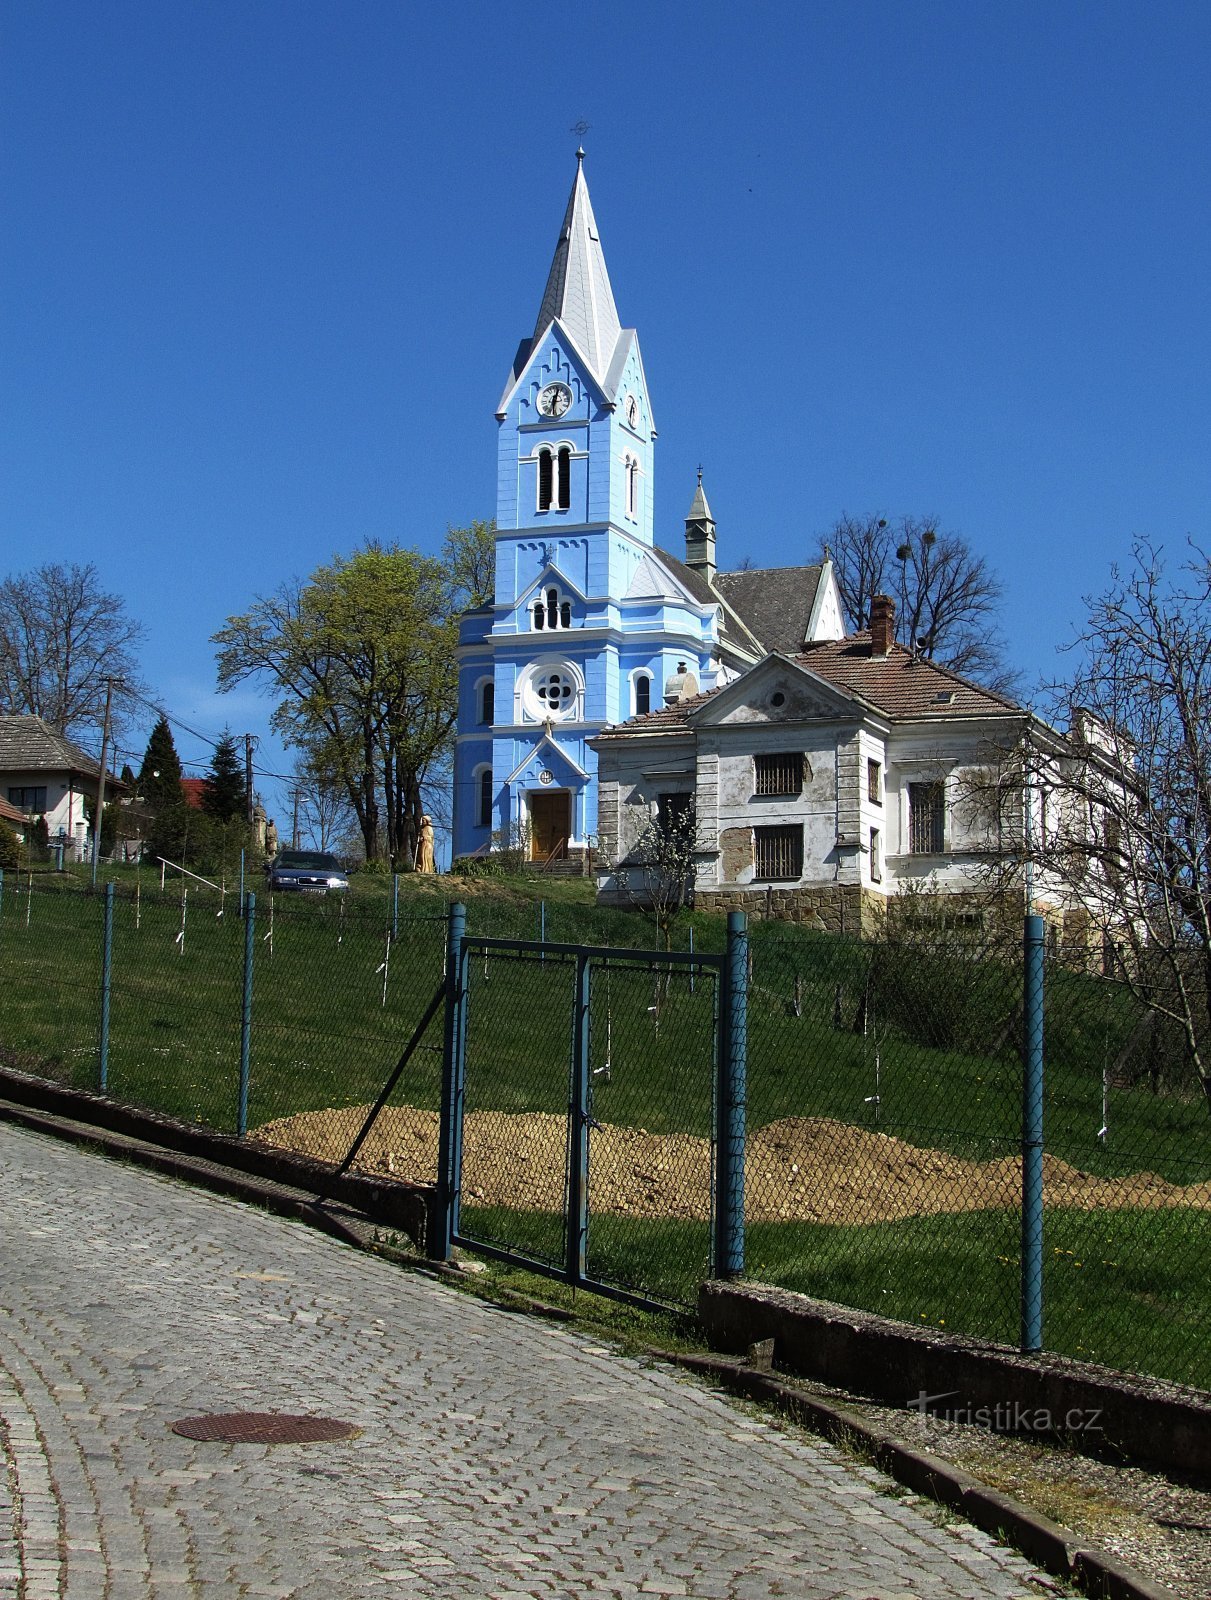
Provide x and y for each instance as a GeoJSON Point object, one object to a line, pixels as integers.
{"type": "Point", "coordinates": [265, 266]}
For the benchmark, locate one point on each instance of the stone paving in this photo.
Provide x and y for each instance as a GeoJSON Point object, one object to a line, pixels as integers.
{"type": "Point", "coordinates": [499, 1457]}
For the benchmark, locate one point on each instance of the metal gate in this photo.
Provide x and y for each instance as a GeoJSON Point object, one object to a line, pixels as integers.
{"type": "Point", "coordinates": [582, 1133]}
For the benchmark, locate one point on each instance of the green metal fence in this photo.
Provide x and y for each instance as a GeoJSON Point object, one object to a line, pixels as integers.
{"type": "Point", "coordinates": [883, 1158]}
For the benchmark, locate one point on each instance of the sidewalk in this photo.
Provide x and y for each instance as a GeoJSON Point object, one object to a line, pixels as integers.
{"type": "Point", "coordinates": [498, 1457]}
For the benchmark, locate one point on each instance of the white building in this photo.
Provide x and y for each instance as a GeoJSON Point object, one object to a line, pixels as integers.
{"type": "Point", "coordinates": [823, 781]}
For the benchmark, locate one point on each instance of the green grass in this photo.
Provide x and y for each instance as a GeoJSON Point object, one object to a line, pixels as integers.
{"type": "Point", "coordinates": [1127, 1289]}
{"type": "Point", "coordinates": [824, 1018]}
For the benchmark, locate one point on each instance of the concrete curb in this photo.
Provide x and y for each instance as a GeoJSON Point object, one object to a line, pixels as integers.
{"type": "Point", "coordinates": [1056, 1549]}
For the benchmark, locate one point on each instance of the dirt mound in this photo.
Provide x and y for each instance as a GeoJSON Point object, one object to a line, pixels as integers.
{"type": "Point", "coordinates": [803, 1169]}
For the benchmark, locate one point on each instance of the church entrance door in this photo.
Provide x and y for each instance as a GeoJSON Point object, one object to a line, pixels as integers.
{"type": "Point", "coordinates": [550, 824]}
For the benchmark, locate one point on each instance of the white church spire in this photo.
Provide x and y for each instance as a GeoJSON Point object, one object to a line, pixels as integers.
{"type": "Point", "coordinates": [578, 291]}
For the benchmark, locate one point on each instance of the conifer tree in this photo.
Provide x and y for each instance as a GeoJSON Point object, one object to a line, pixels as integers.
{"type": "Point", "coordinates": [225, 795]}
{"type": "Point", "coordinates": [160, 774]}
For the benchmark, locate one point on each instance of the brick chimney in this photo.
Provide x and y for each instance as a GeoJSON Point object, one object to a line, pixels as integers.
{"type": "Point", "coordinates": [882, 624]}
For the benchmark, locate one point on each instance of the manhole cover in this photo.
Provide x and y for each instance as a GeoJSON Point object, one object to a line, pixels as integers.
{"type": "Point", "coordinates": [265, 1427]}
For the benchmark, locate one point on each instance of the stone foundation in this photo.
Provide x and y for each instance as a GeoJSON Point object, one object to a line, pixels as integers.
{"type": "Point", "coordinates": [829, 908]}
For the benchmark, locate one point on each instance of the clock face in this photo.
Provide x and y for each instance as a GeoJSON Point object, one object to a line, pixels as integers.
{"type": "Point", "coordinates": [554, 400]}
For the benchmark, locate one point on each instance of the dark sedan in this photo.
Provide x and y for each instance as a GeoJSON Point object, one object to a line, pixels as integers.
{"type": "Point", "coordinates": [312, 871]}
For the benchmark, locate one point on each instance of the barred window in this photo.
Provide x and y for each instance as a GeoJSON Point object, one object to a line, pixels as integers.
{"type": "Point", "coordinates": [874, 782]}
{"type": "Point", "coordinates": [779, 774]}
{"type": "Point", "coordinates": [926, 818]}
{"type": "Point", "coordinates": [778, 853]}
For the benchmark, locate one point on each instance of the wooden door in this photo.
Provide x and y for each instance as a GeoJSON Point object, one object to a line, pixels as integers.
{"type": "Point", "coordinates": [550, 823]}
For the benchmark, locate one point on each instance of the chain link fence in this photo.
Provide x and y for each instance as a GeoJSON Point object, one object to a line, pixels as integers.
{"type": "Point", "coordinates": [883, 1164]}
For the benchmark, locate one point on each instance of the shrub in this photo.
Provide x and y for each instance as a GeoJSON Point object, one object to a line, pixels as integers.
{"type": "Point", "coordinates": [10, 850]}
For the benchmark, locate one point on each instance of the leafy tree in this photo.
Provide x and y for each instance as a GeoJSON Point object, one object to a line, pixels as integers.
{"type": "Point", "coordinates": [225, 791]}
{"type": "Point", "coordinates": [61, 636]}
{"type": "Point", "coordinates": [361, 658]}
{"type": "Point", "coordinates": [10, 850]}
{"type": "Point", "coordinates": [946, 596]}
{"type": "Point", "coordinates": [160, 775]}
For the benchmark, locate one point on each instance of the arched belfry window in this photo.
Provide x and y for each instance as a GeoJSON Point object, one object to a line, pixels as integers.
{"type": "Point", "coordinates": [643, 694]}
{"type": "Point", "coordinates": [563, 477]}
{"type": "Point", "coordinates": [551, 611]}
{"type": "Point", "coordinates": [554, 478]}
{"type": "Point", "coordinates": [487, 702]}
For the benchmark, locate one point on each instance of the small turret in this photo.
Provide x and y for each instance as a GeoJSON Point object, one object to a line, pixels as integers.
{"type": "Point", "coordinates": [700, 535]}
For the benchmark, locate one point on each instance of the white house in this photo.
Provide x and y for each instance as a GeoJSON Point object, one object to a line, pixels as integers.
{"type": "Point", "coordinates": [824, 781]}
{"type": "Point", "coordinates": [43, 774]}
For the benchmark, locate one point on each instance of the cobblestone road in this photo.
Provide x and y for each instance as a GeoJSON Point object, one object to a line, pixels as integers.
{"type": "Point", "coordinates": [500, 1457]}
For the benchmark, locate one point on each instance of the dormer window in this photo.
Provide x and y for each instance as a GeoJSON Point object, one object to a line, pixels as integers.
{"type": "Point", "coordinates": [554, 478]}
{"type": "Point", "coordinates": [551, 611]}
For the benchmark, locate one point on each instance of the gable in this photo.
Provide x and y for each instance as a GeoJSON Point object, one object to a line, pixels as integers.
{"type": "Point", "coordinates": [555, 358]}
{"type": "Point", "coordinates": [776, 691]}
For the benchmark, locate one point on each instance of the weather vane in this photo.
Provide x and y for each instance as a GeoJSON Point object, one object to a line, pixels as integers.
{"type": "Point", "coordinates": [580, 128]}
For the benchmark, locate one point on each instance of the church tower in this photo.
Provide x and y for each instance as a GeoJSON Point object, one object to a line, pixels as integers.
{"type": "Point", "coordinates": [589, 622]}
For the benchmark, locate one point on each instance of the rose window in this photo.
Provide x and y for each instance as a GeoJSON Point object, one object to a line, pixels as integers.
{"type": "Point", "coordinates": [554, 691]}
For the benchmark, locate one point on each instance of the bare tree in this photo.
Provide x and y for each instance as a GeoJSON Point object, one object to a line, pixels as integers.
{"type": "Point", "coordinates": [320, 801]}
{"type": "Point", "coordinates": [947, 596]}
{"type": "Point", "coordinates": [1116, 825]}
{"type": "Point", "coordinates": [61, 636]}
{"type": "Point", "coordinates": [657, 872]}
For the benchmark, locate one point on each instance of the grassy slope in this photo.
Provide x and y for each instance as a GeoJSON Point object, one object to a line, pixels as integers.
{"type": "Point", "coordinates": [939, 1036]}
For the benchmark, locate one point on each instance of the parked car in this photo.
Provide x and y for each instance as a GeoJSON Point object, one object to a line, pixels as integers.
{"type": "Point", "coordinates": [312, 871]}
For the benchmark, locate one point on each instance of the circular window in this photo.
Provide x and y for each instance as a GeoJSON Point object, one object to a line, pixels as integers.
{"type": "Point", "coordinates": [777, 698]}
{"type": "Point", "coordinates": [555, 691]}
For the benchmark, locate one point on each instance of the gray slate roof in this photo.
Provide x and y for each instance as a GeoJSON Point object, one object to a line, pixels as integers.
{"type": "Point", "coordinates": [775, 603]}
{"type": "Point", "coordinates": [578, 289]}
{"type": "Point", "coordinates": [735, 630]}
{"type": "Point", "coordinates": [27, 744]}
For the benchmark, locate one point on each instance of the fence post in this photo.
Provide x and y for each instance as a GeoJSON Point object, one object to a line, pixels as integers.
{"type": "Point", "coordinates": [394, 906]}
{"type": "Point", "coordinates": [107, 945]}
{"type": "Point", "coordinates": [731, 1098]}
{"type": "Point", "coordinates": [1032, 1137]}
{"type": "Point", "coordinates": [450, 1130]}
{"type": "Point", "coordinates": [246, 1013]}
{"type": "Point", "coordinates": [241, 881]}
{"type": "Point", "coordinates": [578, 1133]}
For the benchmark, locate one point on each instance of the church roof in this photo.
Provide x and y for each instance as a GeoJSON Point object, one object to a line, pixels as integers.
{"type": "Point", "coordinates": [735, 630]}
{"type": "Point", "coordinates": [578, 291]}
{"type": "Point", "coordinates": [775, 602]}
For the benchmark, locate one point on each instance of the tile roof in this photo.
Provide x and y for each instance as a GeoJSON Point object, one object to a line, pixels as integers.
{"type": "Point", "coordinates": [12, 813]}
{"type": "Point", "coordinates": [775, 603]}
{"type": "Point", "coordinates": [30, 745]}
{"type": "Point", "coordinates": [901, 685]}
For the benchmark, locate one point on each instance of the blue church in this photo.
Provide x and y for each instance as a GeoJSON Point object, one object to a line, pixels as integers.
{"type": "Point", "coordinates": [591, 622]}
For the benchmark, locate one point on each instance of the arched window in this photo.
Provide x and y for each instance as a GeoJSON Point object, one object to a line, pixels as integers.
{"type": "Point", "coordinates": [483, 797]}
{"type": "Point", "coordinates": [487, 703]}
{"type": "Point", "coordinates": [546, 475]}
{"type": "Point", "coordinates": [563, 478]}
{"type": "Point", "coordinates": [551, 610]}
{"type": "Point", "coordinates": [643, 694]}
{"type": "Point", "coordinates": [632, 490]}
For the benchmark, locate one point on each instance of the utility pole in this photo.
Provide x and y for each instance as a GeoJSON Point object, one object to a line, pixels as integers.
{"type": "Point", "coordinates": [294, 836]}
{"type": "Point", "coordinates": [109, 694]}
{"type": "Point", "coordinates": [248, 744]}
